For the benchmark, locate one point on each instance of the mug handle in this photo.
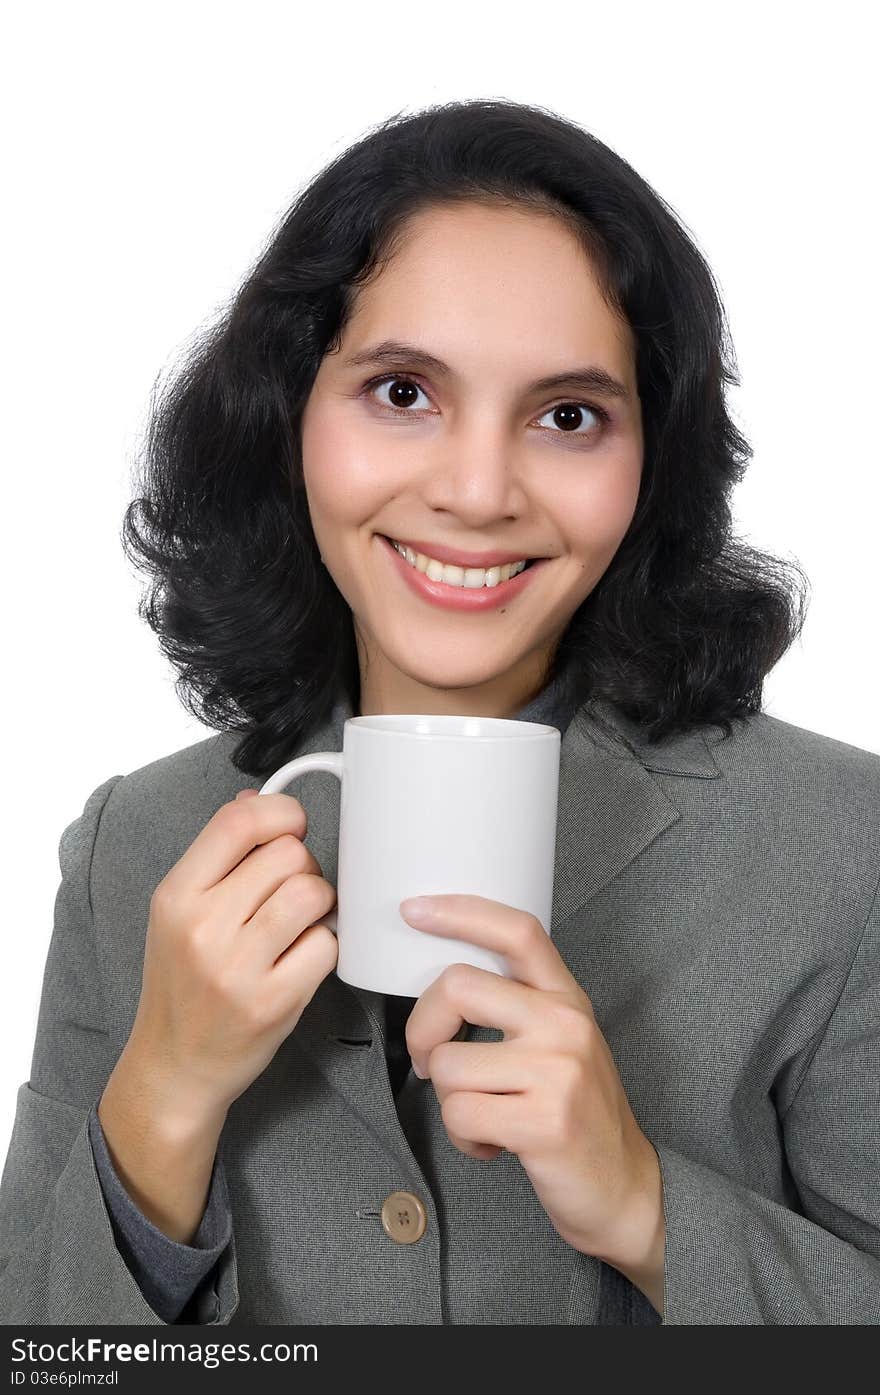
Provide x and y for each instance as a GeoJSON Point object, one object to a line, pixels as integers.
{"type": "Point", "coordinates": [329, 761]}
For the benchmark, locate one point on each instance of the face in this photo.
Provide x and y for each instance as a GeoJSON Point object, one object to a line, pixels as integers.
{"type": "Point", "coordinates": [466, 455]}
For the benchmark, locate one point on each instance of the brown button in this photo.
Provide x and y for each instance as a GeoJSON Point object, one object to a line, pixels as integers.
{"type": "Point", "coordinates": [404, 1217]}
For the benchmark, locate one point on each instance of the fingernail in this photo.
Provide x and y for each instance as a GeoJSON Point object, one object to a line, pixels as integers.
{"type": "Point", "coordinates": [420, 908]}
{"type": "Point", "coordinates": [417, 1072]}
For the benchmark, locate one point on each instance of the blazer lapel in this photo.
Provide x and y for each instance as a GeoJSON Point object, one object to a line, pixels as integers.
{"type": "Point", "coordinates": [610, 805]}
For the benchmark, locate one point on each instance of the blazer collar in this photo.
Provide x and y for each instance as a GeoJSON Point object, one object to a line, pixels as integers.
{"type": "Point", "coordinates": [685, 753]}
{"type": "Point", "coordinates": [611, 808]}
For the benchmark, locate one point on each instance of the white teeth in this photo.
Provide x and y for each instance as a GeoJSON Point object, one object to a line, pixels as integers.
{"type": "Point", "coordinates": [474, 577]}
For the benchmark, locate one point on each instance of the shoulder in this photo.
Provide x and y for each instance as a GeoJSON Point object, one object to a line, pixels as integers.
{"type": "Point", "coordinates": [802, 807]}
{"type": "Point", "coordinates": [780, 806]}
{"type": "Point", "coordinates": [203, 766]}
{"type": "Point", "coordinates": [789, 761]}
{"type": "Point", "coordinates": [164, 804]}
{"type": "Point", "coordinates": [762, 758]}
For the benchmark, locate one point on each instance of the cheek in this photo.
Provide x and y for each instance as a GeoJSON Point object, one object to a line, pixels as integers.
{"type": "Point", "coordinates": [340, 467]}
{"type": "Point", "coordinates": [600, 510]}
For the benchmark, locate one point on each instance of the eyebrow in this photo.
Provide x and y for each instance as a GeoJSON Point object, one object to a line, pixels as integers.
{"type": "Point", "coordinates": [392, 352]}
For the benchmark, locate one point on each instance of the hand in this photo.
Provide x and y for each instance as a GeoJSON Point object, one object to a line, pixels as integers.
{"type": "Point", "coordinates": [549, 1092]}
{"type": "Point", "coordinates": [234, 952]}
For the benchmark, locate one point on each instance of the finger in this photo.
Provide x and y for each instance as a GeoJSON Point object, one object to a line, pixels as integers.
{"type": "Point", "coordinates": [261, 874]}
{"type": "Point", "coordinates": [300, 970]}
{"type": "Point", "coordinates": [490, 1120]}
{"type": "Point", "coordinates": [229, 835]}
{"type": "Point", "coordinates": [491, 1067]}
{"type": "Point", "coordinates": [464, 993]}
{"type": "Point", "coordinates": [483, 1152]}
{"type": "Point", "coordinates": [517, 935]}
{"type": "Point", "coordinates": [299, 903]}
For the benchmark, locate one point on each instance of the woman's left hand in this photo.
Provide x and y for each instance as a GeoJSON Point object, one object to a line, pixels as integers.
{"type": "Point", "coordinates": [549, 1092]}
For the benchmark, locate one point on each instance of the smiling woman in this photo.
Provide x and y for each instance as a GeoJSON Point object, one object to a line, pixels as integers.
{"type": "Point", "coordinates": [460, 446]}
{"type": "Point", "coordinates": [478, 330]}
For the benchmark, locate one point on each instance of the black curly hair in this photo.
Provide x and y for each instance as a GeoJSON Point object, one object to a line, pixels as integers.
{"type": "Point", "coordinates": [686, 621]}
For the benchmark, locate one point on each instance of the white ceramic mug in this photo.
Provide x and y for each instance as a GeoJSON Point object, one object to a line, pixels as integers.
{"type": "Point", "coordinates": [434, 804]}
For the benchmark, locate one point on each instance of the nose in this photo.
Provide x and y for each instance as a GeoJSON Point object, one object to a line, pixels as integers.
{"type": "Point", "coordinates": [477, 472]}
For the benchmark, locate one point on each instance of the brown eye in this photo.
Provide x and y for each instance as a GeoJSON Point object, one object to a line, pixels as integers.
{"type": "Point", "coordinates": [403, 392]}
{"type": "Point", "coordinates": [569, 416]}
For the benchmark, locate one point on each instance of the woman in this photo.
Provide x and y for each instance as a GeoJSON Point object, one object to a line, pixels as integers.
{"type": "Point", "coordinates": [477, 332]}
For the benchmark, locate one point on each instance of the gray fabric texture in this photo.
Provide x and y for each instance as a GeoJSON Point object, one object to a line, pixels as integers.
{"type": "Point", "coordinates": [716, 898]}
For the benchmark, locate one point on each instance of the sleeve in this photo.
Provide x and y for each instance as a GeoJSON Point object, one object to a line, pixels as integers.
{"type": "Point", "coordinates": [167, 1272]}
{"type": "Point", "coordinates": [736, 1257]}
{"type": "Point", "coordinates": [59, 1259]}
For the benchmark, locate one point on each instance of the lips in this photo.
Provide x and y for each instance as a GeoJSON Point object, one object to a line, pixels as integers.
{"type": "Point", "coordinates": [450, 556]}
{"type": "Point", "coordinates": [410, 555]}
{"type": "Point", "coordinates": [459, 598]}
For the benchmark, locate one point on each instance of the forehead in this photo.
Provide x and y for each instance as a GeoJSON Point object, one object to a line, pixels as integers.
{"type": "Point", "coordinates": [482, 284]}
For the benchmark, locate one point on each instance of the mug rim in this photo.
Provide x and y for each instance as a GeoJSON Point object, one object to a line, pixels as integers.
{"type": "Point", "coordinates": [515, 729]}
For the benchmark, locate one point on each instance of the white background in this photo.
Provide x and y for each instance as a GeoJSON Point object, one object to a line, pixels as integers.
{"type": "Point", "coordinates": [150, 150]}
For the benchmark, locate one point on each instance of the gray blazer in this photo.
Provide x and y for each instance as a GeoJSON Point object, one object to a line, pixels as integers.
{"type": "Point", "coordinates": [718, 901]}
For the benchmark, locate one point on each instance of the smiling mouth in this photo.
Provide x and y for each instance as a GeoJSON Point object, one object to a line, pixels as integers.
{"type": "Point", "coordinates": [511, 569]}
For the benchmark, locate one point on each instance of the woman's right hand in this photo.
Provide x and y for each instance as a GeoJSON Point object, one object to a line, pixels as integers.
{"type": "Point", "coordinates": [234, 951]}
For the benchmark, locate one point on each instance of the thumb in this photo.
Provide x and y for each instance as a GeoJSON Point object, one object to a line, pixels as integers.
{"type": "Point", "coordinates": [246, 794]}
